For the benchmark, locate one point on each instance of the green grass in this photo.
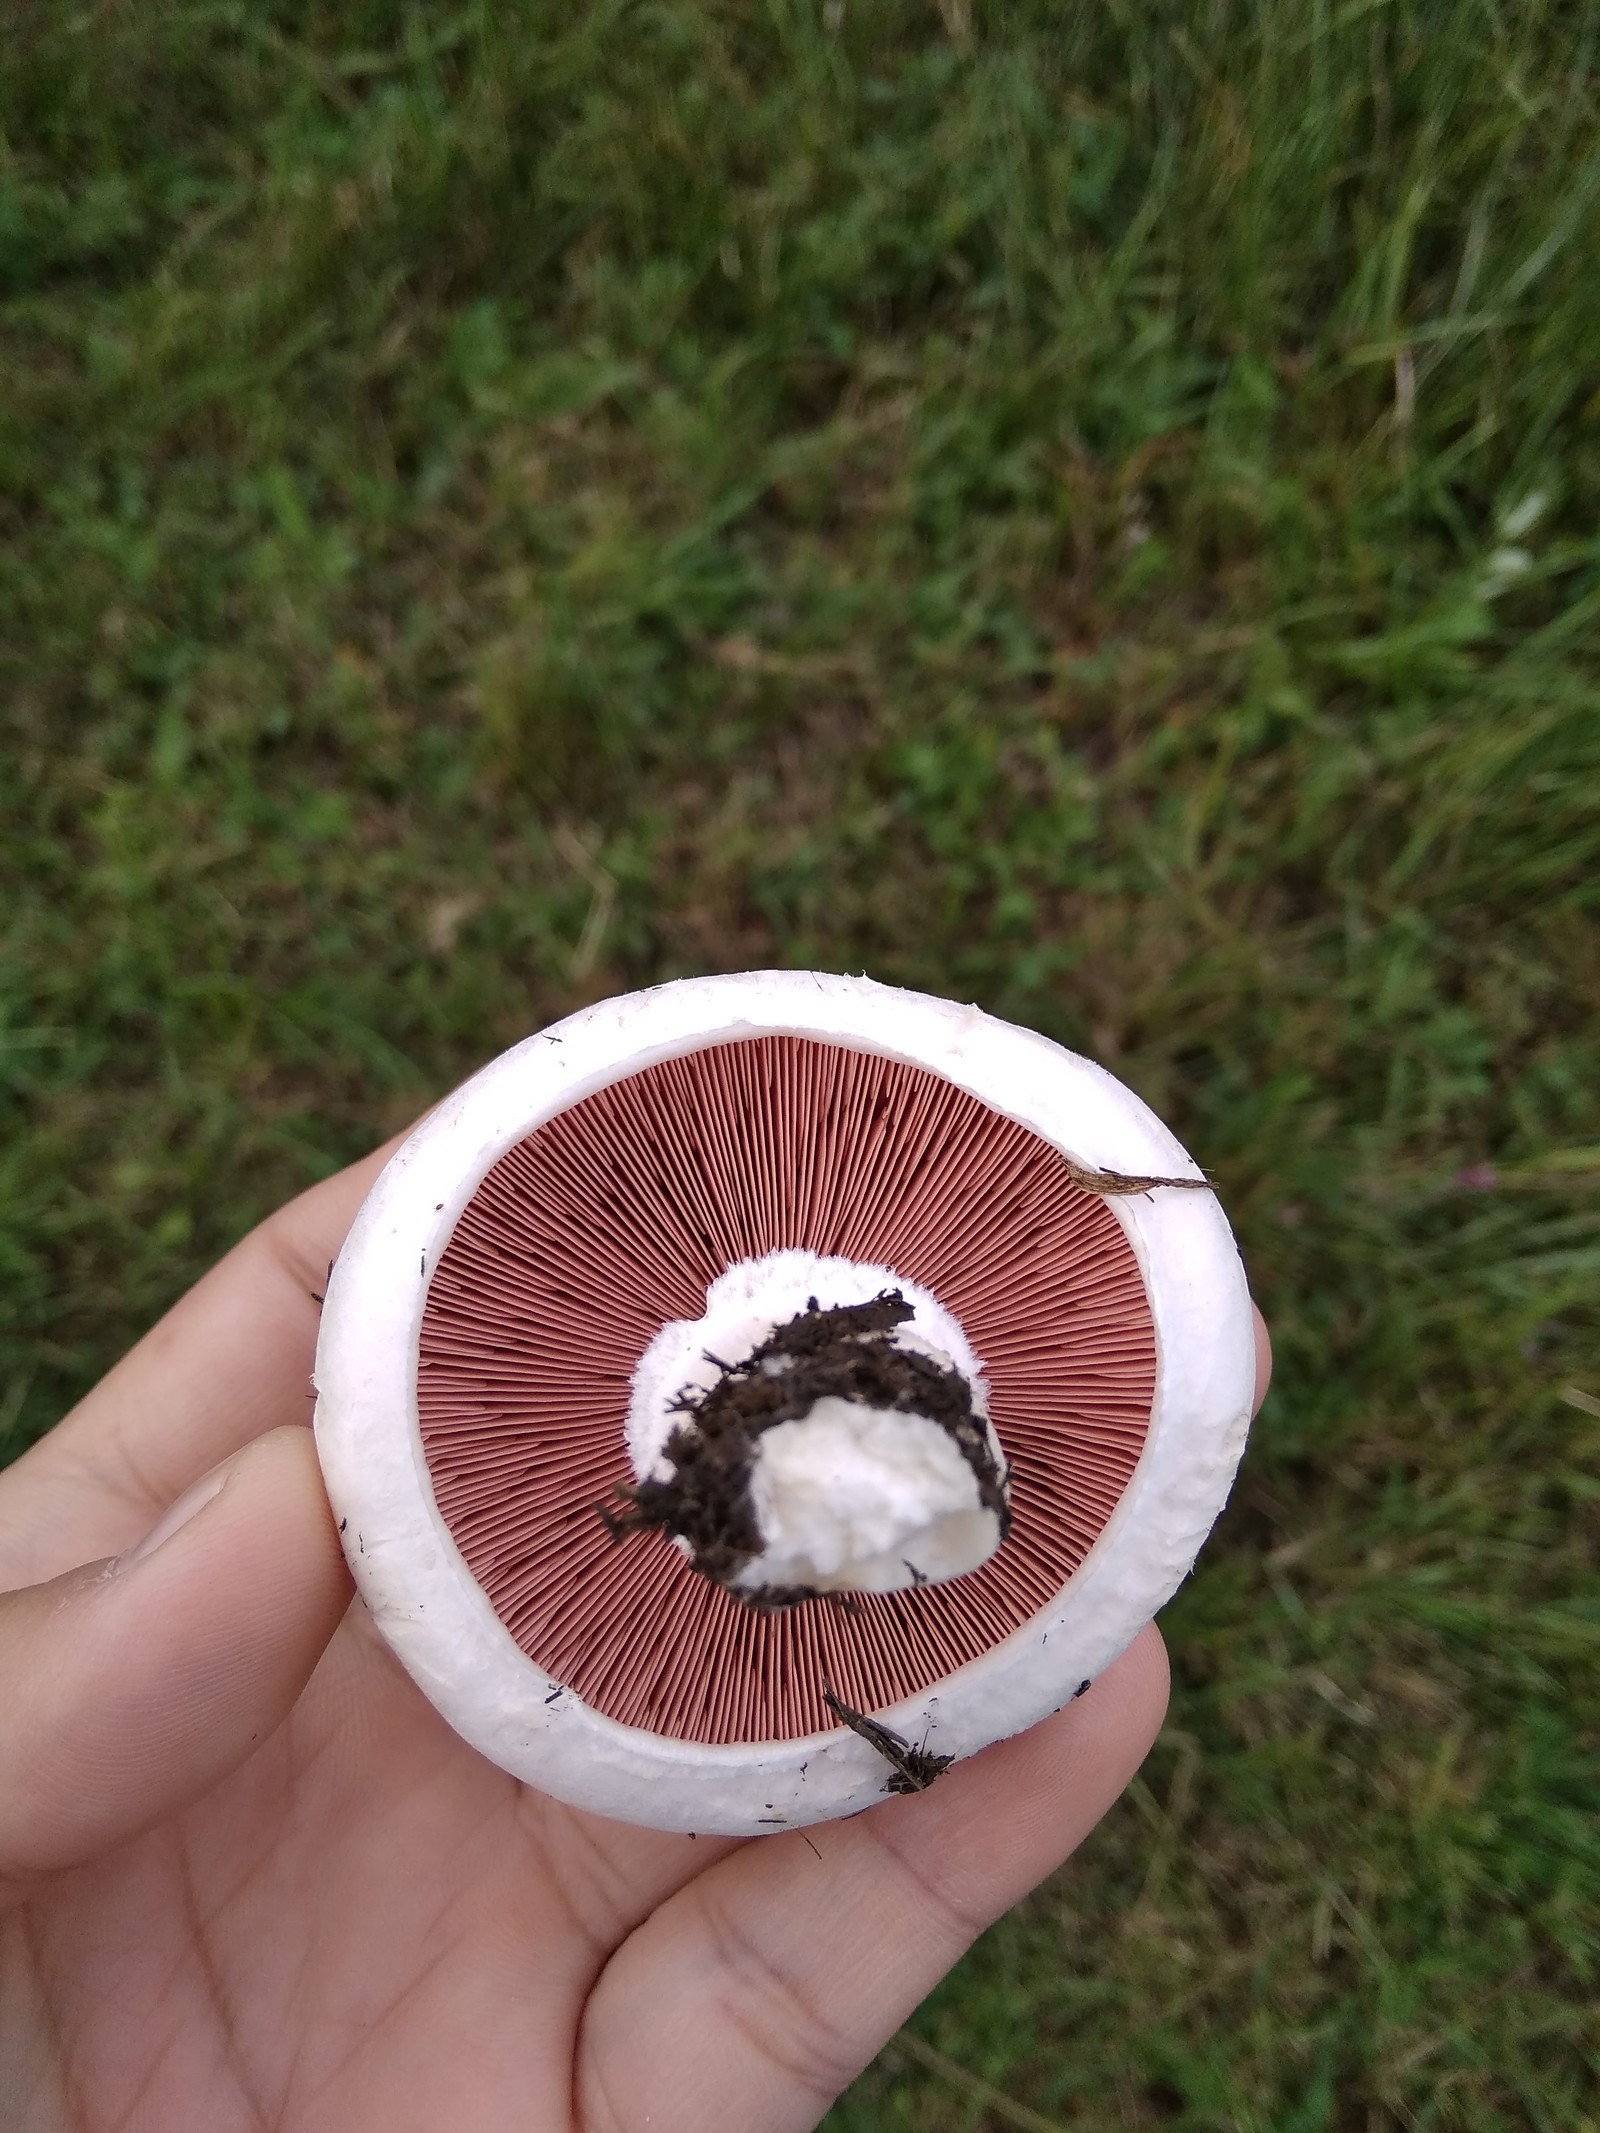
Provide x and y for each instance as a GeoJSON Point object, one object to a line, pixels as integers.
{"type": "Point", "coordinates": [1090, 509]}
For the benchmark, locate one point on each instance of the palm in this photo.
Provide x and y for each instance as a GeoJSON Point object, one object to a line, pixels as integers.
{"type": "Point", "coordinates": [256, 1882]}
{"type": "Point", "coordinates": [366, 1923]}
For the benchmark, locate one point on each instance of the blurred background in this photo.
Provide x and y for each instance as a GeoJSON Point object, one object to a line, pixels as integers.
{"type": "Point", "coordinates": [1087, 509]}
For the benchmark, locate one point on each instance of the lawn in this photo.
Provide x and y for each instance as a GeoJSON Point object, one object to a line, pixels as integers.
{"type": "Point", "coordinates": [1088, 509]}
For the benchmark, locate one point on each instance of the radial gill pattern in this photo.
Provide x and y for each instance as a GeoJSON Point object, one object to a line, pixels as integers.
{"type": "Point", "coordinates": [615, 1216]}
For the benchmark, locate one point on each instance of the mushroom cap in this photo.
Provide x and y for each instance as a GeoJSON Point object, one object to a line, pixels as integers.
{"type": "Point", "coordinates": [440, 1622]}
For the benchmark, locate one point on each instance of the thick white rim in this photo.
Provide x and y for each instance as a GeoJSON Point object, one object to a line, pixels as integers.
{"type": "Point", "coordinates": [437, 1618]}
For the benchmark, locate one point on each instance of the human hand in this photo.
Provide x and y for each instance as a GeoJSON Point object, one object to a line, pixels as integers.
{"type": "Point", "coordinates": [249, 1878]}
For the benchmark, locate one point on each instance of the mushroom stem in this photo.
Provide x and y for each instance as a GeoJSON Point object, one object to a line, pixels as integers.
{"type": "Point", "coordinates": [839, 1448]}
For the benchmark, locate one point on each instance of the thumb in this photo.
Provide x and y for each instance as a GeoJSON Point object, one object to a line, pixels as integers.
{"type": "Point", "coordinates": [131, 1687]}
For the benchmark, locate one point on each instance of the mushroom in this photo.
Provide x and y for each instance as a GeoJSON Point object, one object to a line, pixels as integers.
{"type": "Point", "coordinates": [749, 1395]}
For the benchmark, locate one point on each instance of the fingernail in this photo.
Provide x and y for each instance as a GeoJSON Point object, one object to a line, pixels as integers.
{"type": "Point", "coordinates": [193, 1501]}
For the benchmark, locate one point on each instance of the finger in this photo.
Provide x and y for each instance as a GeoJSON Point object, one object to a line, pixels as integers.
{"type": "Point", "coordinates": [131, 1687]}
{"type": "Point", "coordinates": [1263, 1361]}
{"type": "Point", "coordinates": [805, 1965]}
{"type": "Point", "coordinates": [606, 1877]}
{"type": "Point", "coordinates": [230, 1361]}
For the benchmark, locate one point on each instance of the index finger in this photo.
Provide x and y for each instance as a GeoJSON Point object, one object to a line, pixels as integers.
{"type": "Point", "coordinates": [231, 1360]}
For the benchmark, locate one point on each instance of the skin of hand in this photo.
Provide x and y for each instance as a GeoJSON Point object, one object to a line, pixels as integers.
{"type": "Point", "coordinates": [250, 1880]}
